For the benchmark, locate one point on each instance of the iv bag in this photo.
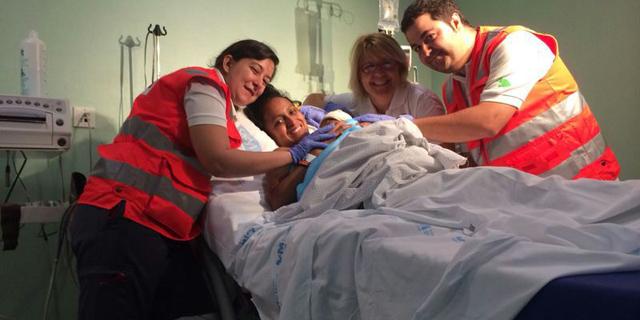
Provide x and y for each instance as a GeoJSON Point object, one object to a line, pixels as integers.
{"type": "Point", "coordinates": [388, 16]}
{"type": "Point", "coordinates": [306, 40]}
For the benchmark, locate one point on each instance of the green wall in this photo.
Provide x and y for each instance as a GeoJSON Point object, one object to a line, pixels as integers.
{"type": "Point", "coordinates": [84, 66]}
{"type": "Point", "coordinates": [598, 41]}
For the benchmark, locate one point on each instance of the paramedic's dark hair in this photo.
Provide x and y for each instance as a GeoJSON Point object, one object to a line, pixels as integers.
{"type": "Point", "coordinates": [438, 10]}
{"type": "Point", "coordinates": [255, 110]}
{"type": "Point", "coordinates": [248, 48]}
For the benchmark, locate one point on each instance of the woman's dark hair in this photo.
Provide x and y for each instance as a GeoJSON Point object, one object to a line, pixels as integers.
{"type": "Point", "coordinates": [438, 10]}
{"type": "Point", "coordinates": [255, 110]}
{"type": "Point", "coordinates": [248, 48]}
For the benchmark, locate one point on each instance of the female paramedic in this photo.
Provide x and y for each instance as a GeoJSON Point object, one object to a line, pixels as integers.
{"type": "Point", "coordinates": [140, 207]}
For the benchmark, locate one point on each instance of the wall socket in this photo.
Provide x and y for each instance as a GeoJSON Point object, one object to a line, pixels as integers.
{"type": "Point", "coordinates": [84, 117]}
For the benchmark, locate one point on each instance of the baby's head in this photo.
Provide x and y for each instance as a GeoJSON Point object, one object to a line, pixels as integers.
{"type": "Point", "coordinates": [276, 114]}
{"type": "Point", "coordinates": [328, 121]}
{"type": "Point", "coordinates": [335, 117]}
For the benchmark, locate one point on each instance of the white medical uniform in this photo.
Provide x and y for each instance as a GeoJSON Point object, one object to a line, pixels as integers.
{"type": "Point", "coordinates": [412, 99]}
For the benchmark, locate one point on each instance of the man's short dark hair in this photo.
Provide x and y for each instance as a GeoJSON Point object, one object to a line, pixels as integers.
{"type": "Point", "coordinates": [441, 10]}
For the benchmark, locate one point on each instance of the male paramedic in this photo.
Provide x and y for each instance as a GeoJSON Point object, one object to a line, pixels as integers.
{"type": "Point", "coordinates": [510, 99]}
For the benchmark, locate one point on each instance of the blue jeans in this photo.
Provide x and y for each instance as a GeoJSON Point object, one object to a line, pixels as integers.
{"type": "Point", "coordinates": [128, 271]}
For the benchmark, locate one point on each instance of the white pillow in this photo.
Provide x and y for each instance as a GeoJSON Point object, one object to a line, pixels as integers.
{"type": "Point", "coordinates": [234, 202]}
{"type": "Point", "coordinates": [253, 139]}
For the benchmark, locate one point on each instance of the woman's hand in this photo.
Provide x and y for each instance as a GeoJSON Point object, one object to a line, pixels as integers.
{"type": "Point", "coordinates": [312, 115]}
{"type": "Point", "coordinates": [339, 126]}
{"type": "Point", "coordinates": [311, 141]}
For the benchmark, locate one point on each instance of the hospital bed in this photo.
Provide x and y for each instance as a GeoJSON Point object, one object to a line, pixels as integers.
{"type": "Point", "coordinates": [594, 296]}
{"type": "Point", "coordinates": [274, 255]}
{"type": "Point", "coordinates": [590, 297]}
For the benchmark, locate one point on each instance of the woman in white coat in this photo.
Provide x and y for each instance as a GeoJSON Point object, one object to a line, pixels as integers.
{"type": "Point", "coordinates": [379, 83]}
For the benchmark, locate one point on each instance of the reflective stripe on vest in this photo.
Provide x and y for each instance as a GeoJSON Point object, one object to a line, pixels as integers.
{"type": "Point", "coordinates": [537, 126]}
{"type": "Point", "coordinates": [450, 96]}
{"type": "Point", "coordinates": [448, 93]}
{"type": "Point", "coordinates": [150, 184]}
{"type": "Point", "coordinates": [150, 134]}
{"type": "Point", "coordinates": [580, 158]}
{"type": "Point", "coordinates": [481, 73]}
{"type": "Point", "coordinates": [196, 72]}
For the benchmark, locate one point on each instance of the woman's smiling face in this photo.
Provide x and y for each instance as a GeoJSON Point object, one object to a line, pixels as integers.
{"type": "Point", "coordinates": [284, 122]}
{"type": "Point", "coordinates": [379, 77]}
{"type": "Point", "coordinates": [247, 78]}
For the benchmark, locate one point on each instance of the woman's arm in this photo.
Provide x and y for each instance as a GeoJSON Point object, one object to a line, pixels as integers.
{"type": "Point", "coordinates": [280, 185]}
{"type": "Point", "coordinates": [212, 148]}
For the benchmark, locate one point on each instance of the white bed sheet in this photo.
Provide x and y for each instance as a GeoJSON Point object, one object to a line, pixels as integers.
{"type": "Point", "coordinates": [444, 245]}
{"type": "Point", "coordinates": [234, 202]}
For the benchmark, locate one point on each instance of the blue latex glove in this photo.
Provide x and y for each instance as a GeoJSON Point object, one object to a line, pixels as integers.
{"type": "Point", "coordinates": [373, 117]}
{"type": "Point", "coordinates": [334, 106]}
{"type": "Point", "coordinates": [312, 115]}
{"type": "Point", "coordinates": [311, 141]}
{"type": "Point", "coordinates": [407, 116]}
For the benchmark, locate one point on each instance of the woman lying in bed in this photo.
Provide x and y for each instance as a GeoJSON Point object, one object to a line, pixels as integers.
{"type": "Point", "coordinates": [276, 114]}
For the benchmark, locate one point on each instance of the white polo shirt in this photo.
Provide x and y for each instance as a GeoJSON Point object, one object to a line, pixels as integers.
{"type": "Point", "coordinates": [517, 64]}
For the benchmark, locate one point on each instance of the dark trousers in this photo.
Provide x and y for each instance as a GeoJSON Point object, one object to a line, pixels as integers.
{"type": "Point", "coordinates": [128, 271]}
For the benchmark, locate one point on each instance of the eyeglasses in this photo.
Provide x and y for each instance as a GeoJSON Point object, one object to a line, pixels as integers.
{"type": "Point", "coordinates": [383, 66]}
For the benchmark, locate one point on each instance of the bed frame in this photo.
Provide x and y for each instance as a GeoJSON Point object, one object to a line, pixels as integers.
{"type": "Point", "coordinates": [593, 296]}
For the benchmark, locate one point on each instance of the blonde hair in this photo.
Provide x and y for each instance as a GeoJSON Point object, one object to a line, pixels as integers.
{"type": "Point", "coordinates": [378, 45]}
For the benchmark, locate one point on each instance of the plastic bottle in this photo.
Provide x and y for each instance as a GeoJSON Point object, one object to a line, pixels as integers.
{"type": "Point", "coordinates": [32, 66]}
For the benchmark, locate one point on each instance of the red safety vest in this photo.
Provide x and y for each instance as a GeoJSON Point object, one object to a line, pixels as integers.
{"type": "Point", "coordinates": [553, 132]}
{"type": "Point", "coordinates": [151, 162]}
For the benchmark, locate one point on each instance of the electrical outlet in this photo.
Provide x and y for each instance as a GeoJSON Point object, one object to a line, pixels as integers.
{"type": "Point", "coordinates": [84, 117]}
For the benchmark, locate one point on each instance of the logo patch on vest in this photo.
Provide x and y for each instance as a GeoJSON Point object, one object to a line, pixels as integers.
{"type": "Point", "coordinates": [504, 83]}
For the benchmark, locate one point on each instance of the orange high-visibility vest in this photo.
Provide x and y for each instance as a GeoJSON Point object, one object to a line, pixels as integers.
{"type": "Point", "coordinates": [552, 133]}
{"type": "Point", "coordinates": [151, 163]}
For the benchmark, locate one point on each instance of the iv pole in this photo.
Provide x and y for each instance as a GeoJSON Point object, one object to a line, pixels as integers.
{"type": "Point", "coordinates": [157, 32]}
{"type": "Point", "coordinates": [320, 65]}
{"type": "Point", "coordinates": [129, 43]}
